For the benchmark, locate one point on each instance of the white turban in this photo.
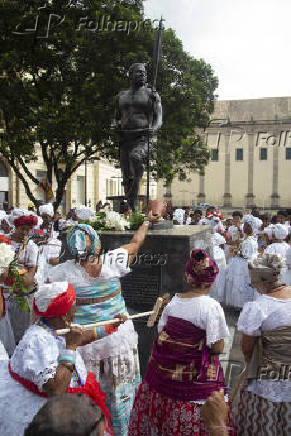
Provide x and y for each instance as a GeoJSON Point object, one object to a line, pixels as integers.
{"type": "Point", "coordinates": [254, 222]}
{"type": "Point", "coordinates": [280, 231]}
{"type": "Point", "coordinates": [269, 230]}
{"type": "Point", "coordinates": [179, 216]}
{"type": "Point", "coordinates": [84, 213]}
{"type": "Point", "coordinates": [47, 293]}
{"type": "Point", "coordinates": [47, 209]}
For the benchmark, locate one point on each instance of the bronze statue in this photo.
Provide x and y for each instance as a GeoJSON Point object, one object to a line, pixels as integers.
{"type": "Point", "coordinates": [138, 115]}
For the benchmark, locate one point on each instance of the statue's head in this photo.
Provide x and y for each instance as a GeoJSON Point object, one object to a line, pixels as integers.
{"type": "Point", "coordinates": [137, 74]}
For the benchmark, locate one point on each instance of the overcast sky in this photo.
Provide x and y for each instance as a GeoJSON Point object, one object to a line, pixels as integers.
{"type": "Point", "coordinates": [248, 42]}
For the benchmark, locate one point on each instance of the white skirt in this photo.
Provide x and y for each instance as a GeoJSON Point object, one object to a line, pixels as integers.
{"type": "Point", "coordinates": [238, 289]}
{"type": "Point", "coordinates": [18, 405]}
{"type": "Point", "coordinates": [285, 276]}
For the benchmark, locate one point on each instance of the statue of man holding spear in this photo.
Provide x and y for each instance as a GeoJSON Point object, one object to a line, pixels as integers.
{"type": "Point", "coordinates": [138, 115]}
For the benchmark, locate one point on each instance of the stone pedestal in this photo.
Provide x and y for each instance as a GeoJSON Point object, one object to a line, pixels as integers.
{"type": "Point", "coordinates": [158, 268]}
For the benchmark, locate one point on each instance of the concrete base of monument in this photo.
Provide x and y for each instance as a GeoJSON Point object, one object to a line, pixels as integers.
{"type": "Point", "coordinates": [158, 268]}
{"type": "Point", "coordinates": [162, 225]}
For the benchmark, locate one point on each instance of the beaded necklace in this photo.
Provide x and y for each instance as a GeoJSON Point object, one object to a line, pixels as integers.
{"type": "Point", "coordinates": [48, 328]}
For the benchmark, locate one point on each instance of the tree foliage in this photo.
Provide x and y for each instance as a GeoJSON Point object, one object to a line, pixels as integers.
{"type": "Point", "coordinates": [59, 78]}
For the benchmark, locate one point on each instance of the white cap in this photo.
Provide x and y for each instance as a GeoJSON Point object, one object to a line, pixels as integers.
{"type": "Point", "coordinates": [47, 293]}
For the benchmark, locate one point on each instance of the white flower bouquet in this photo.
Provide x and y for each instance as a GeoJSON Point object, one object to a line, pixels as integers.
{"type": "Point", "coordinates": [116, 221]}
{"type": "Point", "coordinates": [6, 256]}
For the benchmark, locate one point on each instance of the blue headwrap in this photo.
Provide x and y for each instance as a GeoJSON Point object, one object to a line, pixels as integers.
{"type": "Point", "coordinates": [76, 239]}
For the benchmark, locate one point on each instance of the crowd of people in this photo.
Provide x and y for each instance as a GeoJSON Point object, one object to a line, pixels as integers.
{"type": "Point", "coordinates": [60, 374]}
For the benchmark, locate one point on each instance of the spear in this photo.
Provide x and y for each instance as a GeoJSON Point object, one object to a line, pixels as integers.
{"type": "Point", "coordinates": [156, 59]}
{"type": "Point", "coordinates": [157, 54]}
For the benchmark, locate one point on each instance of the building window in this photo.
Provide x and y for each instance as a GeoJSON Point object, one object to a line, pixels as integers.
{"type": "Point", "coordinates": [112, 187]}
{"type": "Point", "coordinates": [263, 153]}
{"type": "Point", "coordinates": [214, 154]}
{"type": "Point", "coordinates": [239, 154]}
{"type": "Point", "coordinates": [107, 187]}
{"type": "Point", "coordinates": [288, 153]}
{"type": "Point", "coordinates": [80, 190]}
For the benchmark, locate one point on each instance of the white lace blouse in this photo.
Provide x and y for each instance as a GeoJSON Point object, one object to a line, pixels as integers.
{"type": "Point", "coordinates": [278, 248]}
{"type": "Point", "coordinates": [204, 312]}
{"type": "Point", "coordinates": [267, 313]}
{"type": "Point", "coordinates": [36, 357]}
{"type": "Point", "coordinates": [29, 256]}
{"type": "Point", "coordinates": [114, 266]}
{"type": "Point", "coordinates": [250, 248]}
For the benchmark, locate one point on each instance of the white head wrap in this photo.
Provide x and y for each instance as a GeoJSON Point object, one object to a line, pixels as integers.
{"type": "Point", "coordinates": [6, 256]}
{"type": "Point", "coordinates": [47, 209]}
{"type": "Point", "coordinates": [179, 216]}
{"type": "Point", "coordinates": [47, 293]}
{"type": "Point", "coordinates": [254, 222]}
{"type": "Point", "coordinates": [269, 230]}
{"type": "Point", "coordinates": [84, 213]}
{"type": "Point", "coordinates": [280, 231]}
{"type": "Point", "coordinates": [218, 239]}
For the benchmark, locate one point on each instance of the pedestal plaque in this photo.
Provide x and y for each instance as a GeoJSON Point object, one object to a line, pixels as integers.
{"type": "Point", "coordinates": [142, 286]}
{"type": "Point", "coordinates": [158, 268]}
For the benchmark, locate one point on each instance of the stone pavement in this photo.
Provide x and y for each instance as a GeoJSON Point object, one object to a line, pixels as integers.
{"type": "Point", "coordinates": [232, 359]}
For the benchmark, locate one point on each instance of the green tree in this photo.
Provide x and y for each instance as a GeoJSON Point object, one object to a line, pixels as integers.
{"type": "Point", "coordinates": [59, 78]}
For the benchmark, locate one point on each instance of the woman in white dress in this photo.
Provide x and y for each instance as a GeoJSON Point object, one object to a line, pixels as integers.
{"type": "Point", "coordinates": [238, 289]}
{"type": "Point", "coordinates": [184, 368]}
{"type": "Point", "coordinates": [265, 401]}
{"type": "Point", "coordinates": [26, 252]}
{"type": "Point", "coordinates": [96, 279]}
{"type": "Point", "coordinates": [217, 253]}
{"type": "Point", "coordinates": [50, 250]}
{"type": "Point", "coordinates": [6, 332]}
{"type": "Point", "coordinates": [287, 278]}
{"type": "Point", "coordinates": [279, 246]}
{"type": "Point", "coordinates": [45, 364]}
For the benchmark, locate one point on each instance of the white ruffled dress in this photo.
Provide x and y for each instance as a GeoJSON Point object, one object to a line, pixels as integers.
{"type": "Point", "coordinates": [287, 277]}
{"type": "Point", "coordinates": [237, 289]}
{"type": "Point", "coordinates": [113, 359]}
{"type": "Point", "coordinates": [34, 359]}
{"type": "Point", "coordinates": [282, 249]}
